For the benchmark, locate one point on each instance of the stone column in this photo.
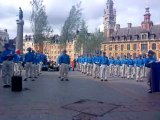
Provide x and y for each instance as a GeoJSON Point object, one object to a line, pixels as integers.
{"type": "Point", "coordinates": [19, 39]}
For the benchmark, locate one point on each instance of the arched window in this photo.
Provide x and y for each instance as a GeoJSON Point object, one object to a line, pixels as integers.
{"type": "Point", "coordinates": [122, 47]}
{"type": "Point", "coordinates": [154, 46]}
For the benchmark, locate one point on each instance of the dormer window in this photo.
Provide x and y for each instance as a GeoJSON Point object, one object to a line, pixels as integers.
{"type": "Point", "coordinates": [137, 37]}
{"type": "Point", "coordinates": [144, 36]}
{"type": "Point", "coordinates": [152, 36]}
{"type": "Point", "coordinates": [124, 37]}
{"type": "Point", "coordinates": [129, 37]}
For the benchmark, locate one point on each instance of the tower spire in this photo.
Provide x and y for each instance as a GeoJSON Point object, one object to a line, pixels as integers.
{"type": "Point", "coordinates": [109, 19]}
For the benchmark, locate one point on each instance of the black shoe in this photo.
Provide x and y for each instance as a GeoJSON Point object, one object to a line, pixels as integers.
{"type": "Point", "coordinates": [25, 79]}
{"type": "Point", "coordinates": [67, 80]}
{"type": "Point", "coordinates": [62, 79]}
{"type": "Point", "coordinates": [105, 80]}
{"type": "Point", "coordinates": [33, 79]}
{"type": "Point", "coordinates": [149, 91]}
{"type": "Point", "coordinates": [6, 86]}
{"type": "Point", "coordinates": [59, 77]}
{"type": "Point", "coordinates": [30, 77]}
{"type": "Point", "coordinates": [101, 79]}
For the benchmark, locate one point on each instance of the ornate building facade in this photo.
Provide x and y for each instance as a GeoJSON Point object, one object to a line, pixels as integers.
{"type": "Point", "coordinates": [4, 38]}
{"type": "Point", "coordinates": [130, 40]}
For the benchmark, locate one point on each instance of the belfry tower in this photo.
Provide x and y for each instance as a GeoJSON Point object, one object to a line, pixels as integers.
{"type": "Point", "coordinates": [109, 19]}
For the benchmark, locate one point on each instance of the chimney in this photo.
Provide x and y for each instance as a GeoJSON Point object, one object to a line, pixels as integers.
{"type": "Point", "coordinates": [129, 25]}
{"type": "Point", "coordinates": [117, 26]}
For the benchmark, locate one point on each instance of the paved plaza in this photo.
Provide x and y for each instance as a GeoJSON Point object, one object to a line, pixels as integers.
{"type": "Point", "coordinates": [82, 98]}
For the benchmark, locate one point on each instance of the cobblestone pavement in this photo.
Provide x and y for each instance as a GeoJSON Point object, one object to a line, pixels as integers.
{"type": "Point", "coordinates": [82, 98]}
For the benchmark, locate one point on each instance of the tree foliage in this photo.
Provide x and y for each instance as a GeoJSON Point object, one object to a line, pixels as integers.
{"type": "Point", "coordinates": [39, 23]}
{"type": "Point", "coordinates": [82, 38]}
{"type": "Point", "coordinates": [71, 24]}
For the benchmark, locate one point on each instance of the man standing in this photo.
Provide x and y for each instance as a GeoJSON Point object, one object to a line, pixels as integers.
{"type": "Point", "coordinates": [96, 65]}
{"type": "Point", "coordinates": [130, 64]}
{"type": "Point", "coordinates": [29, 59]}
{"type": "Point", "coordinates": [64, 61]}
{"type": "Point", "coordinates": [149, 61]}
{"type": "Point", "coordinates": [18, 62]}
{"type": "Point", "coordinates": [139, 69]}
{"type": "Point", "coordinates": [7, 67]}
{"type": "Point", "coordinates": [103, 67]}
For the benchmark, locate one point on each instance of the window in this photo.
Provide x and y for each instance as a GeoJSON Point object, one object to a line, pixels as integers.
{"type": "Point", "coordinates": [144, 36]}
{"type": "Point", "coordinates": [128, 46]}
{"type": "Point", "coordinates": [144, 47]}
{"type": "Point", "coordinates": [110, 47]}
{"type": "Point", "coordinates": [122, 47]}
{"type": "Point", "coordinates": [116, 47]}
{"type": "Point", "coordinates": [135, 47]}
{"type": "Point", "coordinates": [105, 48]}
{"type": "Point", "coordinates": [154, 46]}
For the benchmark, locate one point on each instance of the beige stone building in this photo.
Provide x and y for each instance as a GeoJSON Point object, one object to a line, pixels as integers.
{"type": "Point", "coordinates": [129, 40]}
{"type": "Point", "coordinates": [4, 38]}
{"type": "Point", "coordinates": [28, 42]}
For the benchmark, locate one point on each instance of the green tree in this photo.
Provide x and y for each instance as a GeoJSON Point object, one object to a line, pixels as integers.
{"type": "Point", "coordinates": [39, 23]}
{"type": "Point", "coordinates": [95, 41]}
{"type": "Point", "coordinates": [82, 38]}
{"type": "Point", "coordinates": [71, 24]}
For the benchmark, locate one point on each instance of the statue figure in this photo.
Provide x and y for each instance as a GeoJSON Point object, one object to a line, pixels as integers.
{"type": "Point", "coordinates": [20, 14]}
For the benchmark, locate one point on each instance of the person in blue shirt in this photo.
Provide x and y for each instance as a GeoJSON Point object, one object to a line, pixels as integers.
{"type": "Point", "coordinates": [104, 67]}
{"type": "Point", "coordinates": [29, 59]}
{"type": "Point", "coordinates": [144, 66]}
{"type": "Point", "coordinates": [89, 64]}
{"type": "Point", "coordinates": [35, 64]}
{"type": "Point", "coordinates": [151, 58]}
{"type": "Point", "coordinates": [117, 68]}
{"type": "Point", "coordinates": [139, 69]}
{"type": "Point", "coordinates": [130, 64]}
{"type": "Point", "coordinates": [111, 66]}
{"type": "Point", "coordinates": [18, 59]}
{"type": "Point", "coordinates": [124, 67]}
{"type": "Point", "coordinates": [96, 65]}
{"type": "Point", "coordinates": [85, 64]}
{"type": "Point", "coordinates": [8, 65]}
{"type": "Point", "coordinates": [64, 61]}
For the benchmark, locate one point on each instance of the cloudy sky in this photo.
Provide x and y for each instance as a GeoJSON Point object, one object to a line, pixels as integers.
{"type": "Point", "coordinates": [57, 11]}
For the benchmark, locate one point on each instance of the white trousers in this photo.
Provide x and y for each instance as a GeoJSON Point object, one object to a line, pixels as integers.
{"type": "Point", "coordinates": [29, 69]}
{"type": "Point", "coordinates": [139, 73]}
{"type": "Point", "coordinates": [104, 72]}
{"type": "Point", "coordinates": [89, 69]}
{"type": "Point", "coordinates": [129, 71]}
{"type": "Point", "coordinates": [96, 70]}
{"type": "Point", "coordinates": [64, 71]}
{"type": "Point", "coordinates": [7, 72]}
{"type": "Point", "coordinates": [17, 68]}
{"type": "Point", "coordinates": [35, 68]}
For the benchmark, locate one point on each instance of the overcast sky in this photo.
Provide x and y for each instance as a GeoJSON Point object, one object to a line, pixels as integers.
{"type": "Point", "coordinates": [58, 10]}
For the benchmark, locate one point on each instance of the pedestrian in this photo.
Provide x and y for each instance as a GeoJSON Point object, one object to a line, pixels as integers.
{"type": "Point", "coordinates": [104, 67]}
{"type": "Point", "coordinates": [96, 65]}
{"type": "Point", "coordinates": [149, 61]}
{"type": "Point", "coordinates": [139, 69]}
{"type": "Point", "coordinates": [64, 61]}
{"type": "Point", "coordinates": [18, 59]}
{"type": "Point", "coordinates": [7, 66]}
{"type": "Point", "coordinates": [73, 65]}
{"type": "Point", "coordinates": [29, 59]}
